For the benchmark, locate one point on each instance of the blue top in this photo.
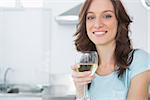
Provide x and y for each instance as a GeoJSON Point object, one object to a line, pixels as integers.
{"type": "Point", "coordinates": [110, 87]}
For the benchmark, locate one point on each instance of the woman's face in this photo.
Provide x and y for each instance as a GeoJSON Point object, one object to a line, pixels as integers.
{"type": "Point", "coordinates": [101, 22]}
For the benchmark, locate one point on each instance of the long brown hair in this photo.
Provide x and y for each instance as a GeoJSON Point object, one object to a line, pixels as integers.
{"type": "Point", "coordinates": [123, 42]}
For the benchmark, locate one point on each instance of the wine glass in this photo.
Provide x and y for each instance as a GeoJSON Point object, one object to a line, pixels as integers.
{"type": "Point", "coordinates": [87, 61]}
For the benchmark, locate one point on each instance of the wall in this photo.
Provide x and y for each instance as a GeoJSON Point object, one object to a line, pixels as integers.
{"type": "Point", "coordinates": [139, 27]}
{"type": "Point", "coordinates": [62, 48]}
{"type": "Point", "coordinates": [149, 31]}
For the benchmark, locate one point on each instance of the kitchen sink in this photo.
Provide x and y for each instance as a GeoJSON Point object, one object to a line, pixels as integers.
{"type": "Point", "coordinates": [4, 88]}
{"type": "Point", "coordinates": [20, 88]}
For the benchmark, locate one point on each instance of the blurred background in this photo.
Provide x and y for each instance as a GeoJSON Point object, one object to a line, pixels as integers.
{"type": "Point", "coordinates": [37, 44]}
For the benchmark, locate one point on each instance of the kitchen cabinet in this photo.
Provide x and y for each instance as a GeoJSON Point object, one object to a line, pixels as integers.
{"type": "Point", "coordinates": [25, 36]}
{"type": "Point", "coordinates": [60, 98]}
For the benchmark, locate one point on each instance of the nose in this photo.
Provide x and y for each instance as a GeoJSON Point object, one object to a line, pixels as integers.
{"type": "Point", "coordinates": [98, 23]}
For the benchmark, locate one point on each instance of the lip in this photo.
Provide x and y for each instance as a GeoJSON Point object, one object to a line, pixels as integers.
{"type": "Point", "coordinates": [99, 33]}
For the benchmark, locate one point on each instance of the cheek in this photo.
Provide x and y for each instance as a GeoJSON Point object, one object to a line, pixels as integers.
{"type": "Point", "coordinates": [87, 28]}
{"type": "Point", "coordinates": [89, 33]}
{"type": "Point", "coordinates": [113, 27]}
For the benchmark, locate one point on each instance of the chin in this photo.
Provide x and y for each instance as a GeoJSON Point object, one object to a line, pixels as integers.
{"type": "Point", "coordinates": [102, 43]}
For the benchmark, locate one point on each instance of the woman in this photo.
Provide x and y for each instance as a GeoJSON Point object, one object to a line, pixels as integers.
{"type": "Point", "coordinates": [123, 73]}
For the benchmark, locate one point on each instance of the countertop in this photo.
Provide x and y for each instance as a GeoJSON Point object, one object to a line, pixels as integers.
{"type": "Point", "coordinates": [21, 94]}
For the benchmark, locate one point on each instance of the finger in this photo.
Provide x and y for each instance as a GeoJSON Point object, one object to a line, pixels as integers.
{"type": "Point", "coordinates": [74, 67]}
{"type": "Point", "coordinates": [83, 83]}
{"type": "Point", "coordinates": [83, 79]}
{"type": "Point", "coordinates": [81, 74]}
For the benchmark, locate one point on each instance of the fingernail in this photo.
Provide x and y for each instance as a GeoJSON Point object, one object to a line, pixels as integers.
{"type": "Point", "coordinates": [88, 72]}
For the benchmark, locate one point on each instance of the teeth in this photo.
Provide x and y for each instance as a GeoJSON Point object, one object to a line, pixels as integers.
{"type": "Point", "coordinates": [99, 33]}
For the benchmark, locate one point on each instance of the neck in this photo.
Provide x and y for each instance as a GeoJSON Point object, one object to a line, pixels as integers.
{"type": "Point", "coordinates": [106, 53]}
{"type": "Point", "coordinates": [107, 59]}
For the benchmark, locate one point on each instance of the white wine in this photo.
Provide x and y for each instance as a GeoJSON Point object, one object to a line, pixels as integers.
{"type": "Point", "coordinates": [86, 61]}
{"type": "Point", "coordinates": [87, 67]}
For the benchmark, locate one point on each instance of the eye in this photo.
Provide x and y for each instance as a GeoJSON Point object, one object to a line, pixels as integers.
{"type": "Point", "coordinates": [90, 17]}
{"type": "Point", "coordinates": [107, 16]}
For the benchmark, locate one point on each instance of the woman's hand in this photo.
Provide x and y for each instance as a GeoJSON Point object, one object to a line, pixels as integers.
{"type": "Point", "coordinates": [80, 79]}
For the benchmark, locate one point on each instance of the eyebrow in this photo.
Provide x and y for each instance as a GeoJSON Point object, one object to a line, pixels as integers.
{"type": "Point", "coordinates": [103, 11]}
{"type": "Point", "coordinates": [108, 11]}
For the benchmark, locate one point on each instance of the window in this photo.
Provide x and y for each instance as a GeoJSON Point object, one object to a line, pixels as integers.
{"type": "Point", "coordinates": [18, 3]}
{"type": "Point", "coordinates": [7, 3]}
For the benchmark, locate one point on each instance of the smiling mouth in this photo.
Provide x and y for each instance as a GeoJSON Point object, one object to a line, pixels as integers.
{"type": "Point", "coordinates": [100, 33]}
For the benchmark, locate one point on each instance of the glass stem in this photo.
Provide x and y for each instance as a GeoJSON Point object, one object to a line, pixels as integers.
{"type": "Point", "coordinates": [85, 91]}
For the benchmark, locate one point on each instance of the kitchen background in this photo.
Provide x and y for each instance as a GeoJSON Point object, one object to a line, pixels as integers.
{"type": "Point", "coordinates": [36, 38]}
